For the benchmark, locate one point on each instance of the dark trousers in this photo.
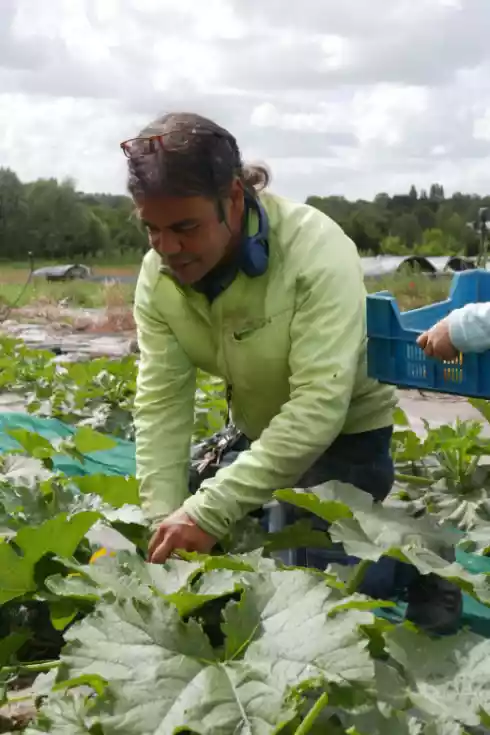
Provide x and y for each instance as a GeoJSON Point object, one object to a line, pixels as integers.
{"type": "Point", "coordinates": [363, 460]}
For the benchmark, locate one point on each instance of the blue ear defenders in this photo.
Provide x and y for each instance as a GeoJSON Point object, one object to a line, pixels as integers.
{"type": "Point", "coordinates": [254, 249]}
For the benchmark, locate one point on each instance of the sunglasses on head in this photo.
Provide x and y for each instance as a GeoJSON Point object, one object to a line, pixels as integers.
{"type": "Point", "coordinates": [143, 146]}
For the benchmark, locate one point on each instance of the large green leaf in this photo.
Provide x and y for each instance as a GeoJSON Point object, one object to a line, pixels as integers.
{"type": "Point", "coordinates": [385, 530]}
{"type": "Point", "coordinates": [329, 510]}
{"type": "Point", "coordinates": [126, 515]}
{"type": "Point", "coordinates": [34, 444]}
{"type": "Point", "coordinates": [407, 446]}
{"type": "Point", "coordinates": [210, 700]}
{"type": "Point", "coordinates": [86, 441]}
{"type": "Point", "coordinates": [74, 586]}
{"type": "Point", "coordinates": [400, 418]}
{"type": "Point", "coordinates": [449, 677]}
{"type": "Point", "coordinates": [115, 490]}
{"type": "Point", "coordinates": [379, 529]}
{"type": "Point", "coordinates": [477, 541]}
{"type": "Point", "coordinates": [9, 645]}
{"type": "Point", "coordinates": [417, 541]}
{"type": "Point", "coordinates": [65, 715]}
{"type": "Point", "coordinates": [324, 645]}
{"type": "Point", "coordinates": [31, 503]}
{"type": "Point", "coordinates": [331, 501]}
{"type": "Point", "coordinates": [242, 622]}
{"type": "Point", "coordinates": [482, 406]}
{"type": "Point", "coordinates": [298, 535]}
{"type": "Point", "coordinates": [128, 574]}
{"type": "Point", "coordinates": [163, 674]}
{"type": "Point", "coordinates": [149, 656]}
{"type": "Point", "coordinates": [443, 727]}
{"type": "Point", "coordinates": [16, 574]}
{"type": "Point", "coordinates": [24, 506]}
{"type": "Point", "coordinates": [477, 585]}
{"type": "Point", "coordinates": [60, 535]}
{"type": "Point", "coordinates": [378, 721]}
{"type": "Point", "coordinates": [125, 574]}
{"type": "Point", "coordinates": [383, 721]}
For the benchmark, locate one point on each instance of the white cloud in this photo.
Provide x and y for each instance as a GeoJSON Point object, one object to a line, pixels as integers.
{"type": "Point", "coordinates": [325, 118]}
{"type": "Point", "coordinates": [383, 114]}
{"type": "Point", "coordinates": [347, 98]}
{"type": "Point", "coordinates": [379, 116]}
{"type": "Point", "coordinates": [481, 126]}
{"type": "Point", "coordinates": [338, 52]}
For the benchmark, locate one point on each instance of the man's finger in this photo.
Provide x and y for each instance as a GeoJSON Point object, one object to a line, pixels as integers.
{"type": "Point", "coordinates": [156, 540]}
{"type": "Point", "coordinates": [164, 550]}
{"type": "Point", "coordinates": [423, 339]}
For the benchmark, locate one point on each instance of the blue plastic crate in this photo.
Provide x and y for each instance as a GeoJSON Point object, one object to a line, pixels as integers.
{"type": "Point", "coordinates": [394, 356]}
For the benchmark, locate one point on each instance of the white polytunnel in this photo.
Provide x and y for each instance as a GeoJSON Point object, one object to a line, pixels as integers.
{"type": "Point", "coordinates": [387, 265]}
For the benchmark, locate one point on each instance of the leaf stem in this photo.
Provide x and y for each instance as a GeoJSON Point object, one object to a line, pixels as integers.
{"type": "Point", "coordinates": [313, 715]}
{"type": "Point", "coordinates": [30, 668]}
{"type": "Point", "coordinates": [358, 576]}
{"type": "Point", "coordinates": [414, 480]}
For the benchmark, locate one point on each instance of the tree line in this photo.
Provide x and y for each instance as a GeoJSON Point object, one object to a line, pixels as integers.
{"type": "Point", "coordinates": [54, 221]}
{"type": "Point", "coordinates": [422, 223]}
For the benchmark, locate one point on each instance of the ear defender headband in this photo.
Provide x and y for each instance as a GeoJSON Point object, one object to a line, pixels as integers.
{"type": "Point", "coordinates": [254, 249]}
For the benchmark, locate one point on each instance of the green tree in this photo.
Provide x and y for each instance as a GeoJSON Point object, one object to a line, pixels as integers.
{"type": "Point", "coordinates": [413, 194]}
{"type": "Point", "coordinates": [434, 242]}
{"type": "Point", "coordinates": [98, 241]}
{"type": "Point", "coordinates": [367, 228]}
{"type": "Point", "coordinates": [392, 245]}
{"type": "Point", "coordinates": [425, 216]}
{"type": "Point", "coordinates": [13, 208]}
{"type": "Point", "coordinates": [59, 224]}
{"type": "Point", "coordinates": [407, 228]}
{"type": "Point", "coordinates": [436, 193]}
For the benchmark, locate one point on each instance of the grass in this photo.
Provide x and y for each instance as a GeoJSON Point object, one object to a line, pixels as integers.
{"type": "Point", "coordinates": [73, 294]}
{"type": "Point", "coordinates": [410, 290]}
{"type": "Point", "coordinates": [18, 272]}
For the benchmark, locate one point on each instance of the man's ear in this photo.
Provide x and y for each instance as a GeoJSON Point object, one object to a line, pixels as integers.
{"type": "Point", "coordinates": [237, 202]}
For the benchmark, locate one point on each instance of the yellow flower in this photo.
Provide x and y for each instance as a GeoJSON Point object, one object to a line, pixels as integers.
{"type": "Point", "coordinates": [100, 553]}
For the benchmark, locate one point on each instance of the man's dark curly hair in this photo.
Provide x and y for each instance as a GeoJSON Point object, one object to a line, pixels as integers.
{"type": "Point", "coordinates": [184, 154]}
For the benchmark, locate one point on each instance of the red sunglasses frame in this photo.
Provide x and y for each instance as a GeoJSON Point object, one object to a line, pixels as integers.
{"type": "Point", "coordinates": [126, 144]}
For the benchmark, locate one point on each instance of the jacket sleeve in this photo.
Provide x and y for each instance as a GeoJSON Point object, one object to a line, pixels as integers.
{"type": "Point", "coordinates": [469, 328]}
{"type": "Point", "coordinates": [327, 336]}
{"type": "Point", "coordinates": [163, 410]}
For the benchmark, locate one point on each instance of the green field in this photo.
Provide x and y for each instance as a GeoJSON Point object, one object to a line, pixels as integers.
{"type": "Point", "coordinates": [411, 291]}
{"type": "Point", "coordinates": [235, 641]}
{"type": "Point", "coordinates": [74, 294]}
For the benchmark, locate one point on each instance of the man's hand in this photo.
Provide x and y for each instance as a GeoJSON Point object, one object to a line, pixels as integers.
{"type": "Point", "coordinates": [436, 342]}
{"type": "Point", "coordinates": [178, 531]}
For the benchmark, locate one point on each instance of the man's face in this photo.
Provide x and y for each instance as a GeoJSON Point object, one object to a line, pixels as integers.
{"type": "Point", "coordinates": [187, 232]}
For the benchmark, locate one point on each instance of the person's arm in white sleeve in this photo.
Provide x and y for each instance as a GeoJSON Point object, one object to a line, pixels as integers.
{"type": "Point", "coordinates": [469, 328]}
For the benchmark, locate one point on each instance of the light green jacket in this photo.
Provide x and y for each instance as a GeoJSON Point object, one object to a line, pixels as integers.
{"type": "Point", "coordinates": [291, 343]}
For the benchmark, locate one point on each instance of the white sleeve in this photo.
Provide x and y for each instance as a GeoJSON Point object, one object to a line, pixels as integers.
{"type": "Point", "coordinates": [469, 328]}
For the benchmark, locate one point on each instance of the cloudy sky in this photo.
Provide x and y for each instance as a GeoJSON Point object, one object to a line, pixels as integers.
{"type": "Point", "coordinates": [345, 97]}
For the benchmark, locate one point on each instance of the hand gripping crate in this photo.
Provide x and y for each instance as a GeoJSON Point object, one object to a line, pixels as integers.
{"type": "Point", "coordinates": [394, 356]}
